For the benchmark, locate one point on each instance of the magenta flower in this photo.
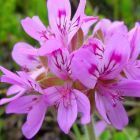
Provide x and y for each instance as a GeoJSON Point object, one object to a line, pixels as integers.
{"type": "Point", "coordinates": [101, 71]}
{"type": "Point", "coordinates": [69, 102]}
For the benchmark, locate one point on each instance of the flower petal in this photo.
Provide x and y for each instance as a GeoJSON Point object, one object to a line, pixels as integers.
{"type": "Point", "coordinates": [109, 28]}
{"type": "Point", "coordinates": [115, 56]}
{"type": "Point", "coordinates": [84, 70]}
{"type": "Point", "coordinates": [52, 95]}
{"type": "Point", "coordinates": [134, 38]}
{"type": "Point", "coordinates": [88, 22]}
{"type": "Point", "coordinates": [10, 77]}
{"type": "Point", "coordinates": [80, 9]}
{"type": "Point", "coordinates": [34, 119]}
{"type": "Point", "coordinates": [21, 56]}
{"type": "Point", "coordinates": [103, 26]}
{"type": "Point", "coordinates": [83, 105]}
{"type": "Point", "coordinates": [33, 27]}
{"type": "Point", "coordinates": [59, 14]}
{"type": "Point", "coordinates": [59, 62]}
{"type": "Point", "coordinates": [7, 100]}
{"type": "Point", "coordinates": [30, 83]}
{"type": "Point", "coordinates": [116, 113]}
{"type": "Point", "coordinates": [22, 104]}
{"type": "Point", "coordinates": [77, 20]}
{"type": "Point", "coordinates": [49, 46]}
{"type": "Point", "coordinates": [14, 89]}
{"type": "Point", "coordinates": [67, 115]}
{"type": "Point", "coordinates": [100, 127]}
{"type": "Point", "coordinates": [132, 69]}
{"type": "Point", "coordinates": [100, 106]}
{"type": "Point", "coordinates": [130, 88]}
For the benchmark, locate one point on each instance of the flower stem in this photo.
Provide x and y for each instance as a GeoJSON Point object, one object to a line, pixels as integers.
{"type": "Point", "coordinates": [90, 130]}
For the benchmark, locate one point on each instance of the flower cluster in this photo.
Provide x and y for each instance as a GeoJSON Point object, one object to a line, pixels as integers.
{"type": "Point", "coordinates": [71, 70]}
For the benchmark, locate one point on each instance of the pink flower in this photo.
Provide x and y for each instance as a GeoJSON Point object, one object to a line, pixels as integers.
{"type": "Point", "coordinates": [65, 69]}
{"type": "Point", "coordinates": [60, 19]}
{"type": "Point", "coordinates": [61, 25]}
{"type": "Point", "coordinates": [69, 102]}
{"type": "Point", "coordinates": [35, 107]}
{"type": "Point", "coordinates": [101, 71]}
{"type": "Point", "coordinates": [21, 84]}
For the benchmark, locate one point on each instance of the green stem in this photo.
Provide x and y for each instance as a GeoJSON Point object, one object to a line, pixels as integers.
{"type": "Point", "coordinates": [90, 130]}
{"type": "Point", "coordinates": [77, 132]}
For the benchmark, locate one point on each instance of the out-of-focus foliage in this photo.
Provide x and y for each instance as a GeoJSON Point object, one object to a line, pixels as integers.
{"type": "Point", "coordinates": [11, 12]}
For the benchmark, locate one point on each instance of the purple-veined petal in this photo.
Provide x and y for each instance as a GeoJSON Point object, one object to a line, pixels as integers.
{"type": "Point", "coordinates": [115, 56]}
{"type": "Point", "coordinates": [21, 56]}
{"type": "Point", "coordinates": [22, 105]}
{"type": "Point", "coordinates": [34, 28]}
{"type": "Point", "coordinates": [59, 15]}
{"type": "Point", "coordinates": [14, 89]}
{"type": "Point", "coordinates": [35, 119]}
{"type": "Point", "coordinates": [84, 67]}
{"type": "Point", "coordinates": [83, 105]}
{"type": "Point", "coordinates": [59, 63]}
{"type": "Point", "coordinates": [67, 114]}
{"type": "Point", "coordinates": [96, 47]}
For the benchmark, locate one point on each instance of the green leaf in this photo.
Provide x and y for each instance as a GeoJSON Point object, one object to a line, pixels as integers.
{"type": "Point", "coordinates": [106, 135]}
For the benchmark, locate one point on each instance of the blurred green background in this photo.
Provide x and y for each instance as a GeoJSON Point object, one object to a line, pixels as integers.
{"type": "Point", "coordinates": [11, 12]}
